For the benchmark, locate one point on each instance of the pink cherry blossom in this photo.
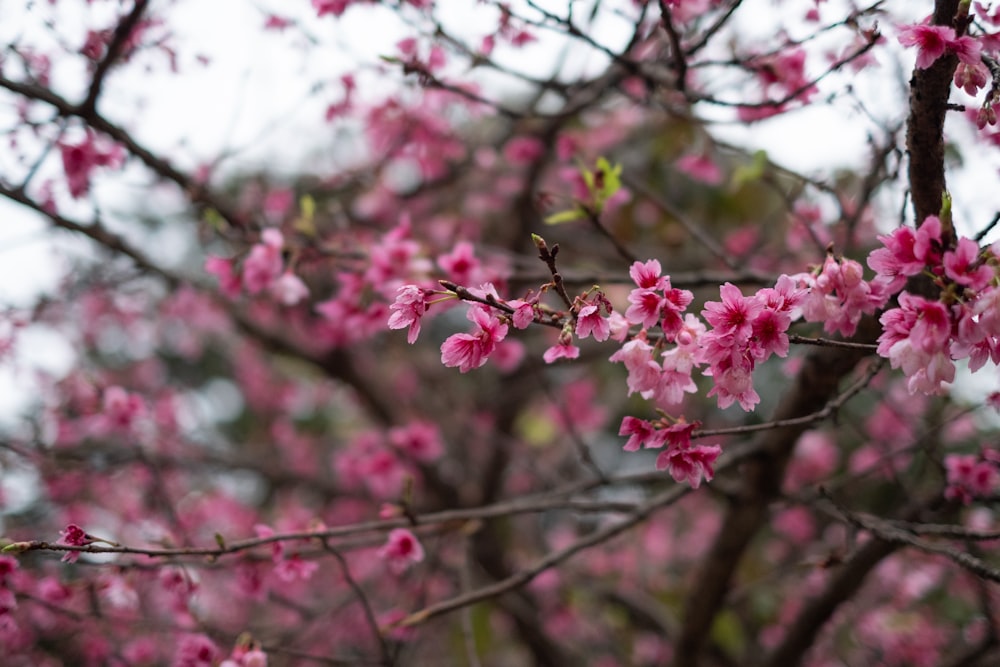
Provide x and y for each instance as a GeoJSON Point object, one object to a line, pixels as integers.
{"type": "Point", "coordinates": [263, 266]}
{"type": "Point", "coordinates": [121, 409]}
{"type": "Point", "coordinates": [690, 465]}
{"type": "Point", "coordinates": [335, 7]}
{"type": "Point", "coordinates": [674, 378]}
{"type": "Point", "coordinates": [524, 313]}
{"type": "Point", "coordinates": [932, 41]}
{"type": "Point", "coordinates": [970, 477]}
{"type": "Point", "coordinates": [962, 265]}
{"type": "Point", "coordinates": [967, 49]}
{"type": "Point", "coordinates": [647, 275]}
{"type": "Point", "coordinates": [972, 77]}
{"type": "Point", "coordinates": [769, 335]}
{"type": "Point", "coordinates": [839, 296]}
{"type": "Point", "coordinates": [275, 22]}
{"type": "Point", "coordinates": [289, 289]}
{"type": "Point", "coordinates": [523, 150]}
{"type": "Point", "coordinates": [898, 257]}
{"type": "Point", "coordinates": [734, 315]}
{"type": "Point", "coordinates": [645, 308]}
{"type": "Point", "coordinates": [73, 536]}
{"type": "Point", "coordinates": [589, 321]}
{"type": "Point", "coordinates": [419, 439]}
{"type": "Point", "coordinates": [382, 472]}
{"type": "Point", "coordinates": [643, 370]}
{"type": "Point", "coordinates": [196, 651]}
{"type": "Point", "coordinates": [222, 269]}
{"type": "Point", "coordinates": [461, 265]}
{"type": "Point", "coordinates": [471, 350]}
{"type": "Point", "coordinates": [295, 568]}
{"type": "Point", "coordinates": [80, 160]}
{"type": "Point", "coordinates": [701, 168]}
{"type": "Point", "coordinates": [395, 258]}
{"type": "Point", "coordinates": [508, 355]}
{"type": "Point", "coordinates": [401, 550]}
{"type": "Point", "coordinates": [639, 432]}
{"type": "Point", "coordinates": [561, 350]}
{"type": "Point", "coordinates": [409, 306]}
{"type": "Point", "coordinates": [734, 383]}
{"type": "Point", "coordinates": [915, 338]}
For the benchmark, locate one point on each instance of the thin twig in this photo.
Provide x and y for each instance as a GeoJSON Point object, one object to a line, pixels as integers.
{"type": "Point", "coordinates": [366, 607]}
{"type": "Point", "coordinates": [829, 409]}
{"type": "Point", "coordinates": [829, 342]}
{"type": "Point", "coordinates": [116, 47]}
{"type": "Point", "coordinates": [886, 531]}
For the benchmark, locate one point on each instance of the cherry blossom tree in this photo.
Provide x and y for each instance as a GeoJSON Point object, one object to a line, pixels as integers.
{"type": "Point", "coordinates": [392, 406]}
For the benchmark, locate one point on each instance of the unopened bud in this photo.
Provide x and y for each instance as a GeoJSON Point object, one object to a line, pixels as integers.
{"type": "Point", "coordinates": [16, 547]}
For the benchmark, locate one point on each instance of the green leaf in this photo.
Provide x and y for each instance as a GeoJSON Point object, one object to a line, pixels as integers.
{"type": "Point", "coordinates": [749, 173]}
{"type": "Point", "coordinates": [308, 206]}
{"type": "Point", "coordinates": [611, 179]}
{"type": "Point", "coordinates": [214, 219]}
{"type": "Point", "coordinates": [566, 216]}
{"type": "Point", "coordinates": [305, 225]}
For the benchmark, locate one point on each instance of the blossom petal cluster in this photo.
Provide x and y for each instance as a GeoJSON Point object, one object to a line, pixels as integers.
{"type": "Point", "coordinates": [685, 462]}
{"type": "Point", "coordinates": [466, 351]}
{"type": "Point", "coordinates": [925, 336]}
{"type": "Point", "coordinates": [933, 41]}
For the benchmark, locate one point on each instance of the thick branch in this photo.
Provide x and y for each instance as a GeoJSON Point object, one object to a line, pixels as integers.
{"type": "Point", "coordinates": [116, 48]}
{"type": "Point", "coordinates": [841, 587]}
{"type": "Point", "coordinates": [762, 477]}
{"type": "Point", "coordinates": [195, 191]}
{"type": "Point", "coordinates": [929, 91]}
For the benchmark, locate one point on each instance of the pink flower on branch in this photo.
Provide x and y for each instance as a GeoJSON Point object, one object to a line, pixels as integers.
{"type": "Point", "coordinates": [419, 439]}
{"type": "Point", "coordinates": [839, 296]}
{"type": "Point", "coordinates": [410, 305]}
{"type": "Point", "coordinates": [289, 289]}
{"type": "Point", "coordinates": [645, 308]}
{"type": "Point", "coordinates": [79, 161]}
{"type": "Point", "coordinates": [401, 550]}
{"type": "Point", "coordinates": [701, 168]}
{"type": "Point", "coordinates": [734, 315]}
{"type": "Point", "coordinates": [690, 465]}
{"type": "Point", "coordinates": [916, 338]}
{"type": "Point", "coordinates": [335, 7]}
{"type": "Point", "coordinates": [263, 265]}
{"type": "Point", "coordinates": [74, 536]}
{"type": "Point", "coordinates": [471, 350]}
{"type": "Point", "coordinates": [639, 432]}
{"type": "Point", "coordinates": [654, 299]}
{"type": "Point", "coordinates": [643, 371]}
{"type": "Point", "coordinates": [461, 265]}
{"type": "Point", "coordinates": [734, 383]}
{"type": "Point", "coordinates": [963, 265]}
{"type": "Point", "coordinates": [589, 320]}
{"type": "Point", "coordinates": [972, 78]}
{"type": "Point", "coordinates": [647, 275]}
{"type": "Point", "coordinates": [685, 462]}
{"type": "Point", "coordinates": [970, 477]}
{"type": "Point", "coordinates": [561, 350]}
{"type": "Point", "coordinates": [932, 41]}
{"type": "Point", "coordinates": [222, 269]}
{"type": "Point", "coordinates": [524, 313]}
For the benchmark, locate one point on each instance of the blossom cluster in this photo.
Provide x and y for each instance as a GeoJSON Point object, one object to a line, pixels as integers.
{"type": "Point", "coordinates": [925, 336]}
{"type": "Point", "coordinates": [262, 270]}
{"type": "Point", "coordinates": [661, 345]}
